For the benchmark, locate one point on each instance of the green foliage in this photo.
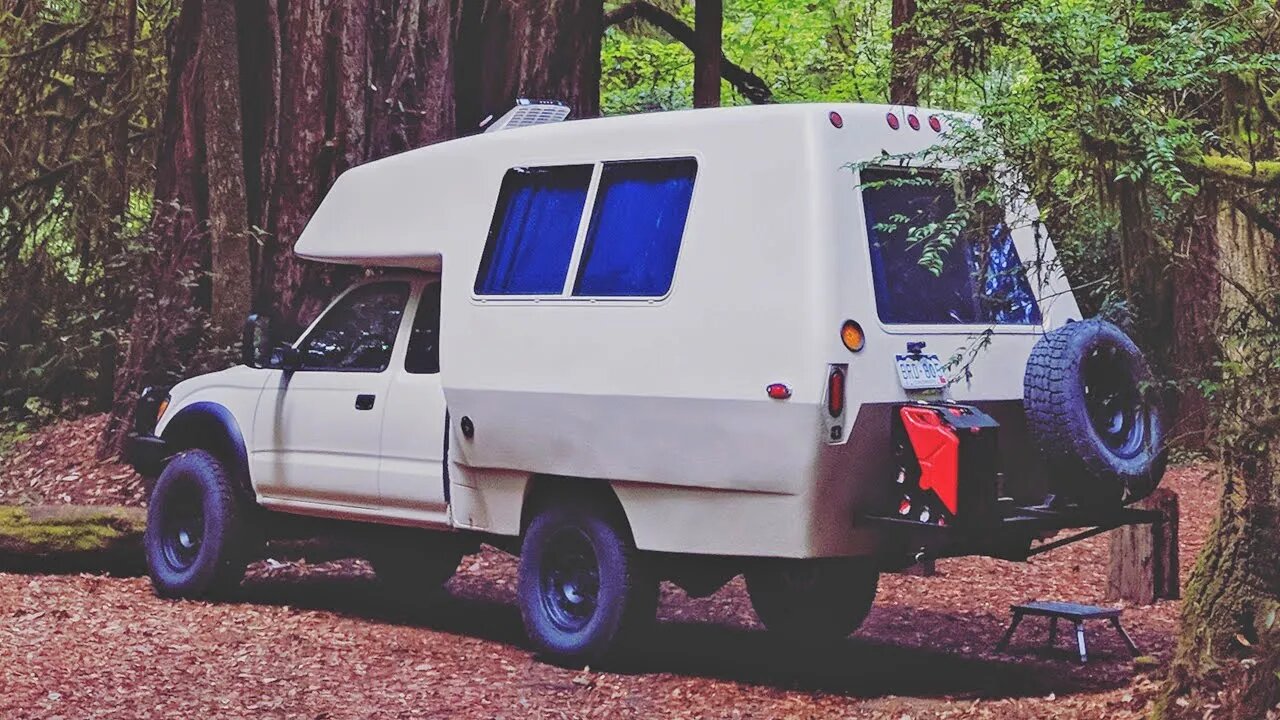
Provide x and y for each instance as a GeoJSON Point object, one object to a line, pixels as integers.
{"type": "Point", "coordinates": [81, 88]}
{"type": "Point", "coordinates": [805, 50]}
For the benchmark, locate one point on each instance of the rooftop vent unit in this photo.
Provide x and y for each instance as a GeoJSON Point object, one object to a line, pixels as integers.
{"type": "Point", "coordinates": [526, 113]}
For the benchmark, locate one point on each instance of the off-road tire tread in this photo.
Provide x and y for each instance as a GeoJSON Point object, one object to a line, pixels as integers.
{"type": "Point", "coordinates": [230, 568]}
{"type": "Point", "coordinates": [639, 585]}
{"type": "Point", "coordinates": [1072, 459]}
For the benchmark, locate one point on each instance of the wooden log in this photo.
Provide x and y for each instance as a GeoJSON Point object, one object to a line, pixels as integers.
{"type": "Point", "coordinates": [71, 538]}
{"type": "Point", "coordinates": [1144, 558]}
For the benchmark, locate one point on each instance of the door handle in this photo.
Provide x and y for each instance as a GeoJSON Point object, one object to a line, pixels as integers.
{"type": "Point", "coordinates": [364, 402]}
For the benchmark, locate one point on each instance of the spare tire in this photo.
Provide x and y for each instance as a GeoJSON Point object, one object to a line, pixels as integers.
{"type": "Point", "coordinates": [1094, 416]}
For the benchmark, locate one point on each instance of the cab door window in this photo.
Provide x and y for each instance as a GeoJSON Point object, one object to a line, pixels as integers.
{"type": "Point", "coordinates": [358, 333]}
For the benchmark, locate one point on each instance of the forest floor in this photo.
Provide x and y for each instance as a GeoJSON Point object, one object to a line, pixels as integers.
{"type": "Point", "coordinates": [315, 641]}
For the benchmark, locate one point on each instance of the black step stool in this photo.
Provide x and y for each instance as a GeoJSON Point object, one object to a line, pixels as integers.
{"type": "Point", "coordinates": [1077, 614]}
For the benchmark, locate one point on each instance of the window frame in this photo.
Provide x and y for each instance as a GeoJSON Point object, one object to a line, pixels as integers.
{"type": "Point", "coordinates": [566, 296]}
{"type": "Point", "coordinates": [863, 257]}
{"type": "Point", "coordinates": [342, 296]}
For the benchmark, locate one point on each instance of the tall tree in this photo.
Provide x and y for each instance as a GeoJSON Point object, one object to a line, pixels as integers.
{"type": "Point", "coordinates": [229, 271]}
{"type": "Point", "coordinates": [904, 75]}
{"type": "Point", "coordinates": [545, 49]}
{"type": "Point", "coordinates": [323, 85]}
{"type": "Point", "coordinates": [708, 24]}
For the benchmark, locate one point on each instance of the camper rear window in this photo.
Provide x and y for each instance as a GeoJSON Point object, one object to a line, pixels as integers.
{"type": "Point", "coordinates": [533, 231]}
{"type": "Point", "coordinates": [636, 226]}
{"type": "Point", "coordinates": [981, 281]}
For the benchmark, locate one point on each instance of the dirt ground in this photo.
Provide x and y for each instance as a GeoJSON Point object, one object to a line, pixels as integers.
{"type": "Point", "coordinates": [318, 642]}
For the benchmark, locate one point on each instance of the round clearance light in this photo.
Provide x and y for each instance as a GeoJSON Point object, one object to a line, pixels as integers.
{"type": "Point", "coordinates": [852, 337]}
{"type": "Point", "coordinates": [892, 120]}
{"type": "Point", "coordinates": [914, 122]}
{"type": "Point", "coordinates": [935, 123]}
{"type": "Point", "coordinates": [837, 122]}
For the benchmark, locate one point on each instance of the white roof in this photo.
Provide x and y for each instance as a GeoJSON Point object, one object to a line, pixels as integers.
{"type": "Point", "coordinates": [409, 209]}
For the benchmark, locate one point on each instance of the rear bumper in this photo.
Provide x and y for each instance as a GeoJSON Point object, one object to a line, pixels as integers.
{"type": "Point", "coordinates": [146, 453]}
{"type": "Point", "coordinates": [1008, 537]}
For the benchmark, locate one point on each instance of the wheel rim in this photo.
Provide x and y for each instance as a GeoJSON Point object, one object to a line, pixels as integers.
{"type": "Point", "coordinates": [182, 526]}
{"type": "Point", "coordinates": [570, 580]}
{"type": "Point", "coordinates": [1112, 400]}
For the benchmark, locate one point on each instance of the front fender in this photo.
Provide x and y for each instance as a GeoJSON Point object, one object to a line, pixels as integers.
{"type": "Point", "coordinates": [210, 426]}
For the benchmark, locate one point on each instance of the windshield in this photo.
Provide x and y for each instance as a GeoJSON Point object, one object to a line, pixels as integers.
{"type": "Point", "coordinates": [977, 279]}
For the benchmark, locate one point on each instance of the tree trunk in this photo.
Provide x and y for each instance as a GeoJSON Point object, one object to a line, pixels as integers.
{"type": "Point", "coordinates": [160, 330]}
{"type": "Point", "coordinates": [708, 24]}
{"type": "Point", "coordinates": [1194, 351]}
{"type": "Point", "coordinates": [545, 49]}
{"type": "Point", "coordinates": [751, 86]}
{"type": "Point", "coordinates": [322, 85]}
{"type": "Point", "coordinates": [903, 75]}
{"type": "Point", "coordinates": [1144, 558]}
{"type": "Point", "coordinates": [1229, 650]}
{"type": "Point", "coordinates": [229, 272]}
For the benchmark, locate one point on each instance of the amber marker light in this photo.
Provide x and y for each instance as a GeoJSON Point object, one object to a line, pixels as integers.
{"type": "Point", "coordinates": [851, 335]}
{"type": "Point", "coordinates": [164, 405]}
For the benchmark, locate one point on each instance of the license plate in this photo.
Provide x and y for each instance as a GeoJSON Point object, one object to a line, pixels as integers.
{"type": "Point", "coordinates": [920, 372]}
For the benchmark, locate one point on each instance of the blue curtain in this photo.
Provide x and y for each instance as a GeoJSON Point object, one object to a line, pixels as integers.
{"type": "Point", "coordinates": [532, 236]}
{"type": "Point", "coordinates": [636, 227]}
{"type": "Point", "coordinates": [1006, 288]}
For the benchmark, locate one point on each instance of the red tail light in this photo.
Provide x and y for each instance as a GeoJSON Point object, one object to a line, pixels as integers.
{"type": "Point", "coordinates": [914, 122]}
{"type": "Point", "coordinates": [892, 120]}
{"type": "Point", "coordinates": [935, 123]}
{"type": "Point", "coordinates": [835, 392]}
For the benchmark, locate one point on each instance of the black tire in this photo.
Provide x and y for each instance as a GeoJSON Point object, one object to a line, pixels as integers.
{"type": "Point", "coordinates": [195, 538]}
{"type": "Point", "coordinates": [584, 589]}
{"type": "Point", "coordinates": [1090, 409]}
{"type": "Point", "coordinates": [812, 601]}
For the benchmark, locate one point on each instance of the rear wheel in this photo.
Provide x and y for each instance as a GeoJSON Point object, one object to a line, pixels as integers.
{"type": "Point", "coordinates": [808, 601]}
{"type": "Point", "coordinates": [195, 538]}
{"type": "Point", "coordinates": [584, 588]}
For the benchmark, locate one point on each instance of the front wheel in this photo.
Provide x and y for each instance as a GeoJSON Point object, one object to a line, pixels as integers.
{"type": "Point", "coordinates": [583, 586]}
{"type": "Point", "coordinates": [807, 601]}
{"type": "Point", "coordinates": [195, 543]}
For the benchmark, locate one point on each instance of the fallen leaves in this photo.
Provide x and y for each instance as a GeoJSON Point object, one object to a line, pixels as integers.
{"type": "Point", "coordinates": [314, 640]}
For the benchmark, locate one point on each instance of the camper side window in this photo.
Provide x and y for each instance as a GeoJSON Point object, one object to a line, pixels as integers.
{"type": "Point", "coordinates": [636, 226]}
{"type": "Point", "coordinates": [533, 231]}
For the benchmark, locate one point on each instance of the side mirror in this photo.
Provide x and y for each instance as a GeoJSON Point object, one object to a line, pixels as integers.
{"type": "Point", "coordinates": [286, 357]}
{"type": "Point", "coordinates": [255, 341]}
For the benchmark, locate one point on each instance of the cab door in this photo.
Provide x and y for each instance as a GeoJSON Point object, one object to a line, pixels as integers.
{"type": "Point", "coordinates": [317, 429]}
{"type": "Point", "coordinates": [412, 471]}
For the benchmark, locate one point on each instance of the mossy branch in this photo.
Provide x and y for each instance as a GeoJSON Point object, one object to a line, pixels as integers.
{"type": "Point", "coordinates": [1261, 173]}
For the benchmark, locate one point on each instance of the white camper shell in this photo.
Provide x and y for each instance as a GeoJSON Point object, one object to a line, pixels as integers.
{"type": "Point", "coordinates": [697, 321]}
{"type": "Point", "coordinates": [664, 395]}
